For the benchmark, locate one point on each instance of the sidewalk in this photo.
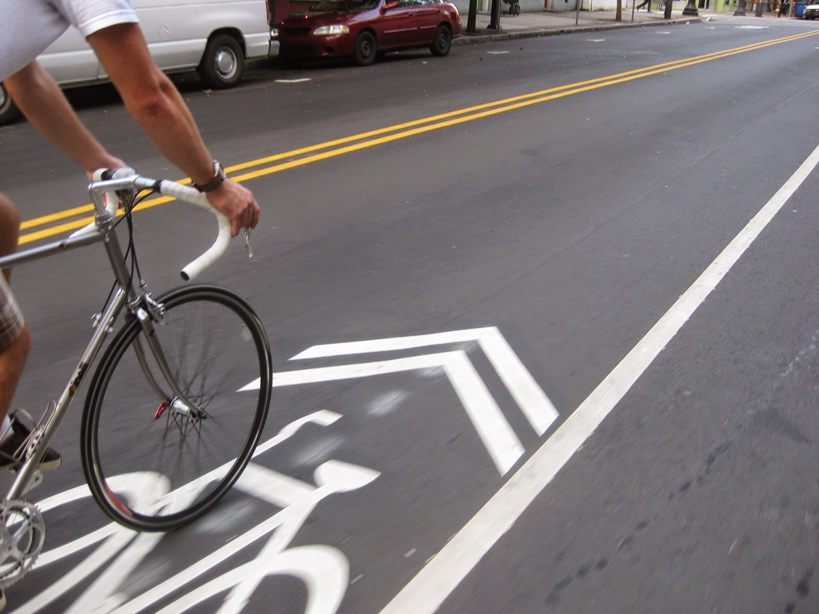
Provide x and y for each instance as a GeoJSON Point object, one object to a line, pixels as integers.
{"type": "Point", "coordinates": [545, 23]}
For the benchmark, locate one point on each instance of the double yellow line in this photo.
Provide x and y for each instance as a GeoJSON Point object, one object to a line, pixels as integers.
{"type": "Point", "coordinates": [54, 224]}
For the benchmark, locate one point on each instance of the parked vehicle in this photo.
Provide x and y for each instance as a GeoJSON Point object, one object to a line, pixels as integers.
{"type": "Point", "coordinates": [363, 29]}
{"type": "Point", "coordinates": [215, 37]}
{"type": "Point", "coordinates": [811, 11]}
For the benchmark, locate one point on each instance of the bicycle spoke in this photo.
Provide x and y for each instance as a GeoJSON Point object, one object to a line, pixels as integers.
{"type": "Point", "coordinates": [210, 432]}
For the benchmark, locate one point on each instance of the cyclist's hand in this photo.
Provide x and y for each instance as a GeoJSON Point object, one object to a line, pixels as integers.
{"type": "Point", "coordinates": [110, 162]}
{"type": "Point", "coordinates": [237, 203]}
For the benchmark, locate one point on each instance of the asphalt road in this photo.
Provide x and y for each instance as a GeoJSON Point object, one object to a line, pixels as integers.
{"type": "Point", "coordinates": [515, 218]}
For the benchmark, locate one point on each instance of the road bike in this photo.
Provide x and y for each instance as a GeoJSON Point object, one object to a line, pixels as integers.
{"type": "Point", "coordinates": [168, 425]}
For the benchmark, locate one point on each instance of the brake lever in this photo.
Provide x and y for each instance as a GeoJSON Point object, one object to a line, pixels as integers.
{"type": "Point", "coordinates": [248, 246]}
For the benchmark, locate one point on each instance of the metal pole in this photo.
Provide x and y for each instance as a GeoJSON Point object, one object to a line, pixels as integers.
{"type": "Point", "coordinates": [494, 20]}
{"type": "Point", "coordinates": [471, 20]}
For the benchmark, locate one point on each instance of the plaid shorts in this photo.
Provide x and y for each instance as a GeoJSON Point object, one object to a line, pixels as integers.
{"type": "Point", "coordinates": [11, 317]}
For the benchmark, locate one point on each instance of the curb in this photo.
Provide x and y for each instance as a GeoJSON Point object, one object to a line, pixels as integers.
{"type": "Point", "coordinates": [482, 37]}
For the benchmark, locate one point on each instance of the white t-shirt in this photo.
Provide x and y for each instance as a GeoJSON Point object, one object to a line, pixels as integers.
{"type": "Point", "coordinates": [27, 27]}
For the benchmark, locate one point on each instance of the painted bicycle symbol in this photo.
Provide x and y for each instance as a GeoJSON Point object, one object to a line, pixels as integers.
{"type": "Point", "coordinates": [323, 569]}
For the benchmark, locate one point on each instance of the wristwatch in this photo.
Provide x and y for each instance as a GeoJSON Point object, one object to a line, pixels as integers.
{"type": "Point", "coordinates": [218, 178]}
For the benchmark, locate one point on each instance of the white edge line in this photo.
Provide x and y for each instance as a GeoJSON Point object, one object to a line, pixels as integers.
{"type": "Point", "coordinates": [432, 585]}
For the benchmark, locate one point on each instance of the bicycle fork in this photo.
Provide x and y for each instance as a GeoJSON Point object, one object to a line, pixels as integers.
{"type": "Point", "coordinates": [148, 312]}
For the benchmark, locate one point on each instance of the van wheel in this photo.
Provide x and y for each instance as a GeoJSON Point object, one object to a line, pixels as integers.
{"type": "Point", "coordinates": [223, 62]}
{"type": "Point", "coordinates": [8, 110]}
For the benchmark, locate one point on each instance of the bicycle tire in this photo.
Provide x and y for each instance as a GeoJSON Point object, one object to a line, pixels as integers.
{"type": "Point", "coordinates": [215, 345]}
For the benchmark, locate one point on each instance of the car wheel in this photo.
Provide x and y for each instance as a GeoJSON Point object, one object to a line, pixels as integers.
{"type": "Point", "coordinates": [8, 110]}
{"type": "Point", "coordinates": [442, 42]}
{"type": "Point", "coordinates": [223, 62]}
{"type": "Point", "coordinates": [366, 49]}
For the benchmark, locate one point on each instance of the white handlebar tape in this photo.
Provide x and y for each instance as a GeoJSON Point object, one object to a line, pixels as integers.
{"type": "Point", "coordinates": [189, 195]}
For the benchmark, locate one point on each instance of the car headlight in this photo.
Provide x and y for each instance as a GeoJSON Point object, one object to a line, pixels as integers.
{"type": "Point", "coordinates": [331, 30]}
{"type": "Point", "coordinates": [274, 33]}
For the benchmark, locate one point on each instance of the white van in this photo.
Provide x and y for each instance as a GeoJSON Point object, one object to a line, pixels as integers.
{"type": "Point", "coordinates": [214, 37]}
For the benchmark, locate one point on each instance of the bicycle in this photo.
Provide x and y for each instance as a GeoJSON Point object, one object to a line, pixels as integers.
{"type": "Point", "coordinates": [166, 430]}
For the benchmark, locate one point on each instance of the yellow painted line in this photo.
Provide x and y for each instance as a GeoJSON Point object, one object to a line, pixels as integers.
{"type": "Point", "coordinates": [54, 230]}
{"type": "Point", "coordinates": [523, 101]}
{"type": "Point", "coordinates": [435, 118]}
{"type": "Point", "coordinates": [61, 215]}
{"type": "Point", "coordinates": [47, 219]}
{"type": "Point", "coordinates": [380, 136]}
{"type": "Point", "coordinates": [76, 224]}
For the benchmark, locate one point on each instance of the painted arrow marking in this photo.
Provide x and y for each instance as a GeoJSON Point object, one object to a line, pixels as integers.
{"type": "Point", "coordinates": [531, 399]}
{"type": "Point", "coordinates": [495, 432]}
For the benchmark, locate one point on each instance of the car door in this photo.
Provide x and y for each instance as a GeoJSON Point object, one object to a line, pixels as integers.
{"type": "Point", "coordinates": [397, 24]}
{"type": "Point", "coordinates": [428, 17]}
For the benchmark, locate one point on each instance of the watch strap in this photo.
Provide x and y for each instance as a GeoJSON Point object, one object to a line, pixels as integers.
{"type": "Point", "coordinates": [218, 178]}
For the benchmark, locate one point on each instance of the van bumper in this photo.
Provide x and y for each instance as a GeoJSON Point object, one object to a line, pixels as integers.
{"type": "Point", "coordinates": [274, 49]}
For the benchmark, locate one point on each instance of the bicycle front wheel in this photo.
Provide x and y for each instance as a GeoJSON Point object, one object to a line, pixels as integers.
{"type": "Point", "coordinates": [154, 461]}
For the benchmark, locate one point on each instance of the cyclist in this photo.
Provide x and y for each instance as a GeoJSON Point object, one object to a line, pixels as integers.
{"type": "Point", "coordinates": [111, 28]}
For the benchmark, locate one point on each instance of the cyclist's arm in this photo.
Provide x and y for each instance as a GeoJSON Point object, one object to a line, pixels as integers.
{"type": "Point", "coordinates": [158, 109]}
{"type": "Point", "coordinates": [42, 101]}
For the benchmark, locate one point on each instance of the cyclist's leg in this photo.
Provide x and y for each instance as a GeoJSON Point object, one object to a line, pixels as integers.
{"type": "Point", "coordinates": [15, 344]}
{"type": "Point", "coordinates": [9, 228]}
{"type": "Point", "coordinates": [15, 338]}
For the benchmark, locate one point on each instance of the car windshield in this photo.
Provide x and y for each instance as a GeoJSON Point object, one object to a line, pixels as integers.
{"type": "Point", "coordinates": [345, 5]}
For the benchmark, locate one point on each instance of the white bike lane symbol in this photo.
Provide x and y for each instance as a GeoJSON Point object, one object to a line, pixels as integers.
{"type": "Point", "coordinates": [323, 569]}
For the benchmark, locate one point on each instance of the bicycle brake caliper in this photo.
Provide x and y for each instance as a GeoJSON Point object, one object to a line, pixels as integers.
{"type": "Point", "coordinates": [156, 309]}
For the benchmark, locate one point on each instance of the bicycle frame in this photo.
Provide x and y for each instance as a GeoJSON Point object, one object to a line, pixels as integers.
{"type": "Point", "coordinates": [139, 304]}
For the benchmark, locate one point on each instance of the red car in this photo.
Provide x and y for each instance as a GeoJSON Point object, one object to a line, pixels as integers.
{"type": "Point", "coordinates": [363, 29]}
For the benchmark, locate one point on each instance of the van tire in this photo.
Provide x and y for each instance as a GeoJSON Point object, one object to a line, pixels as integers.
{"type": "Point", "coordinates": [8, 110]}
{"type": "Point", "coordinates": [223, 62]}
